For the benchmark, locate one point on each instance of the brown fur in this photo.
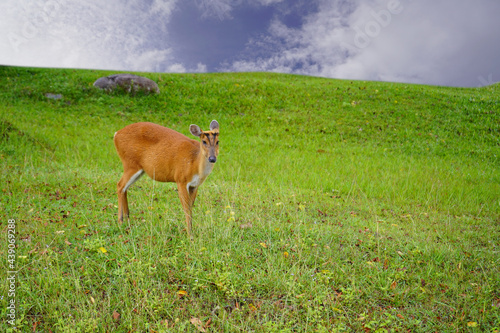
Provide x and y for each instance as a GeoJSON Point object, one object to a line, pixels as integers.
{"type": "Point", "coordinates": [166, 156]}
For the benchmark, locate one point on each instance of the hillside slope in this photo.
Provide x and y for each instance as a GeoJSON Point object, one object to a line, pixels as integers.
{"type": "Point", "coordinates": [334, 206]}
{"type": "Point", "coordinates": [397, 141]}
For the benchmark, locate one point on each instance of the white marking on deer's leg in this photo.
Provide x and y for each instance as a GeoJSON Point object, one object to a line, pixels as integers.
{"type": "Point", "coordinates": [133, 179]}
{"type": "Point", "coordinates": [194, 183]}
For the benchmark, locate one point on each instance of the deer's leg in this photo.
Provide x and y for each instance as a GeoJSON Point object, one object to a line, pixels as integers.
{"type": "Point", "coordinates": [192, 195]}
{"type": "Point", "coordinates": [122, 207]}
{"type": "Point", "coordinates": [187, 196]}
{"type": "Point", "coordinates": [129, 177]}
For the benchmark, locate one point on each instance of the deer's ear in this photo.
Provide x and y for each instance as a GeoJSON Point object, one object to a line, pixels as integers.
{"type": "Point", "coordinates": [195, 130]}
{"type": "Point", "coordinates": [214, 125]}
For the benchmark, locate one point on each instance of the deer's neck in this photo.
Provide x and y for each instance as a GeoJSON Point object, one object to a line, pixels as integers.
{"type": "Point", "coordinates": [204, 166]}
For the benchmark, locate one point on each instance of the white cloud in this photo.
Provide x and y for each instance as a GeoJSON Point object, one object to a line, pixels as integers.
{"type": "Point", "coordinates": [162, 7]}
{"type": "Point", "coordinates": [434, 42]}
{"type": "Point", "coordinates": [180, 68]}
{"type": "Point", "coordinates": [146, 61]}
{"type": "Point", "coordinates": [268, 2]}
{"type": "Point", "coordinates": [91, 34]}
{"type": "Point", "coordinates": [220, 9]}
{"type": "Point", "coordinates": [176, 68]}
{"type": "Point", "coordinates": [200, 68]}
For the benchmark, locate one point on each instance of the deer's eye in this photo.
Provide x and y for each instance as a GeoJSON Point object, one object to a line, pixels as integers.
{"type": "Point", "coordinates": [204, 143]}
{"type": "Point", "coordinates": [217, 143]}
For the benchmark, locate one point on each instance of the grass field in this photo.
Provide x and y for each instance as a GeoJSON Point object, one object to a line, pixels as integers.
{"type": "Point", "coordinates": [334, 206]}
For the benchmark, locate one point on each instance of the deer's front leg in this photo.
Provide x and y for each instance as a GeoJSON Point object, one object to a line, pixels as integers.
{"type": "Point", "coordinates": [187, 197]}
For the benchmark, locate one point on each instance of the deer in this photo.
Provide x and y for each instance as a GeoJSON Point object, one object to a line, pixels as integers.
{"type": "Point", "coordinates": [166, 155]}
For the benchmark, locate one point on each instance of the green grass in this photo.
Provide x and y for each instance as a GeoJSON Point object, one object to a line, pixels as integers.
{"type": "Point", "coordinates": [335, 206]}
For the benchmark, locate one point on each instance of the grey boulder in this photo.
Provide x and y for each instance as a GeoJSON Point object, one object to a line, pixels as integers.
{"type": "Point", "coordinates": [128, 82]}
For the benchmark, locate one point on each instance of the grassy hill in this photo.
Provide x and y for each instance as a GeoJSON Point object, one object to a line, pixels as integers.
{"type": "Point", "coordinates": [334, 206]}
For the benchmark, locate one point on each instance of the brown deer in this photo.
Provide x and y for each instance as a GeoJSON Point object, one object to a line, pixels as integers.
{"type": "Point", "coordinates": [166, 156]}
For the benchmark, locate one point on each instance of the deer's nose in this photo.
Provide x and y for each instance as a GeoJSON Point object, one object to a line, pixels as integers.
{"type": "Point", "coordinates": [212, 159]}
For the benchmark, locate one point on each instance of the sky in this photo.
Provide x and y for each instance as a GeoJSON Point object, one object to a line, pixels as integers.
{"type": "Point", "coordinates": [437, 42]}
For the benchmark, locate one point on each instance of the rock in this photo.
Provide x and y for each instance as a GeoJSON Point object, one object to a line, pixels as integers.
{"type": "Point", "coordinates": [128, 82]}
{"type": "Point", "coordinates": [53, 96]}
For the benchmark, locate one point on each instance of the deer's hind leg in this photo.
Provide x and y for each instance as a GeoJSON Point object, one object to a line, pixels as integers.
{"type": "Point", "coordinates": [129, 177]}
